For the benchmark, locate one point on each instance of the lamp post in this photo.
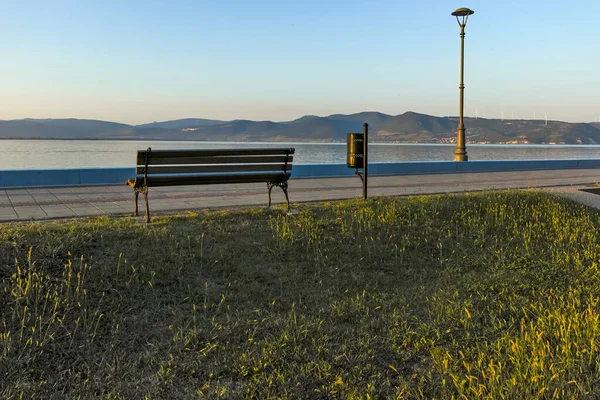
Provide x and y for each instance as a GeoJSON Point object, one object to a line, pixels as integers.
{"type": "Point", "coordinates": [462, 15]}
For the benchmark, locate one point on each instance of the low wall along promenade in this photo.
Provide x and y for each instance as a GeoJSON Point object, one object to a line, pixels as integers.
{"type": "Point", "coordinates": [118, 176]}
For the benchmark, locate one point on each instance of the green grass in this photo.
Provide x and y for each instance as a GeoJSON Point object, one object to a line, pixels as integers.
{"type": "Point", "coordinates": [491, 295]}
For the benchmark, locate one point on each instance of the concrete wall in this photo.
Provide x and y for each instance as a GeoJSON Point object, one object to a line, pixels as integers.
{"type": "Point", "coordinates": [118, 176]}
{"type": "Point", "coordinates": [64, 177]}
{"type": "Point", "coordinates": [441, 167]}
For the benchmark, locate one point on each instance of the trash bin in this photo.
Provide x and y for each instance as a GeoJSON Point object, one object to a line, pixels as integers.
{"type": "Point", "coordinates": [356, 150]}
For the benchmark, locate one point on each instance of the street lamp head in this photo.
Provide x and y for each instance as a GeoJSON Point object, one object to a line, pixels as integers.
{"type": "Point", "coordinates": [464, 13]}
{"type": "Point", "coordinates": [461, 12]}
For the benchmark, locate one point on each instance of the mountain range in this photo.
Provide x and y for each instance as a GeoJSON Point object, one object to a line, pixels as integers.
{"type": "Point", "coordinates": [409, 127]}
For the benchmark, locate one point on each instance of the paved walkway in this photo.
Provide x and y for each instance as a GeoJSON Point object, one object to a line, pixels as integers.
{"type": "Point", "coordinates": [67, 202]}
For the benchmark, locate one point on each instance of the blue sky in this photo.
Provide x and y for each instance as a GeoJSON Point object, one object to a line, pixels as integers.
{"type": "Point", "coordinates": [140, 61]}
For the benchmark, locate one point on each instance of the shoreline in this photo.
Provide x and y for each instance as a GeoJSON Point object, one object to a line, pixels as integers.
{"type": "Point", "coordinates": [305, 142]}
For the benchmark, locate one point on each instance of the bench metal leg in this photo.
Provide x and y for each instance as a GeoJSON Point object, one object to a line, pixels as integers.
{"type": "Point", "coordinates": [270, 187]}
{"type": "Point", "coordinates": [284, 187]}
{"type": "Point", "coordinates": [147, 207]}
{"type": "Point", "coordinates": [136, 193]}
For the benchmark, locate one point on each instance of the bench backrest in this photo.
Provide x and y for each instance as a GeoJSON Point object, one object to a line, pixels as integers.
{"type": "Point", "coordinates": [157, 167]}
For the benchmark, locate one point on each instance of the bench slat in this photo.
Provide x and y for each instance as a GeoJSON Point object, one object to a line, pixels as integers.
{"type": "Point", "coordinates": [152, 170]}
{"type": "Point", "coordinates": [211, 179]}
{"type": "Point", "coordinates": [225, 152]}
{"type": "Point", "coordinates": [172, 160]}
{"type": "Point", "coordinates": [214, 152]}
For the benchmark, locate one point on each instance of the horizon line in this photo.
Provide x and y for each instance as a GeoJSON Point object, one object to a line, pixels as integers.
{"type": "Point", "coordinates": [303, 116]}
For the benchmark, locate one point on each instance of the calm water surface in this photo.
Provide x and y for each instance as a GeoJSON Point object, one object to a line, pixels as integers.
{"type": "Point", "coordinates": [42, 154]}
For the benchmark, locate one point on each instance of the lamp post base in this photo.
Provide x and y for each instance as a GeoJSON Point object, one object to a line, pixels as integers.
{"type": "Point", "coordinates": [461, 157]}
{"type": "Point", "coordinates": [461, 148]}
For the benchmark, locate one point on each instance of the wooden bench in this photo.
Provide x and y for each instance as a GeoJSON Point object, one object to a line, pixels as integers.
{"type": "Point", "coordinates": [208, 167]}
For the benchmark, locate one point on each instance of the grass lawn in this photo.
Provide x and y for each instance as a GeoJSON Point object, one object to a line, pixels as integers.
{"type": "Point", "coordinates": [490, 295]}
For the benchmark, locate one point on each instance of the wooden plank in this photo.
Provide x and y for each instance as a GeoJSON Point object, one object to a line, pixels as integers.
{"type": "Point", "coordinates": [217, 160]}
{"type": "Point", "coordinates": [154, 169]}
{"type": "Point", "coordinates": [212, 179]}
{"type": "Point", "coordinates": [220, 152]}
{"type": "Point", "coordinates": [157, 154]}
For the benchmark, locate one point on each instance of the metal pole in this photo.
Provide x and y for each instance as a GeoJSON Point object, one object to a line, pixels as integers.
{"type": "Point", "coordinates": [461, 151]}
{"type": "Point", "coordinates": [365, 158]}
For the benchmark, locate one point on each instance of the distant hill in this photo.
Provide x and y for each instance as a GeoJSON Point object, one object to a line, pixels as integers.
{"type": "Point", "coordinates": [409, 127]}
{"type": "Point", "coordinates": [374, 119]}
{"type": "Point", "coordinates": [181, 123]}
{"type": "Point", "coordinates": [61, 128]}
{"type": "Point", "coordinates": [531, 131]}
{"type": "Point", "coordinates": [320, 129]}
{"type": "Point", "coordinates": [415, 127]}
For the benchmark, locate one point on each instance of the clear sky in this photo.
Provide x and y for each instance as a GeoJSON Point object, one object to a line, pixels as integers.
{"type": "Point", "coordinates": [137, 61]}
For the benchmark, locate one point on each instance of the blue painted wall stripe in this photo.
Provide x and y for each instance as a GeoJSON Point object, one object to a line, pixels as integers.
{"type": "Point", "coordinates": [64, 177]}
{"type": "Point", "coordinates": [118, 176]}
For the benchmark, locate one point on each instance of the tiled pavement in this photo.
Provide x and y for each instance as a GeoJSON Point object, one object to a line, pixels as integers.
{"type": "Point", "coordinates": [67, 202]}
